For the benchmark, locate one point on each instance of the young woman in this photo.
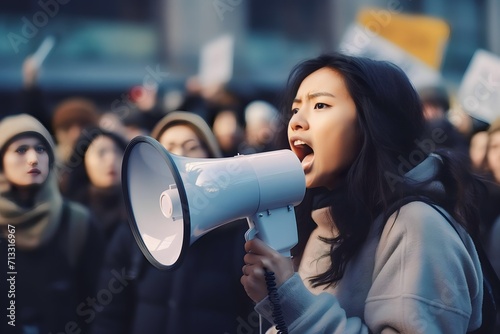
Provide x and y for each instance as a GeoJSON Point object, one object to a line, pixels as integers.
{"type": "Point", "coordinates": [489, 208]}
{"type": "Point", "coordinates": [94, 177]}
{"type": "Point", "coordinates": [51, 246]}
{"type": "Point", "coordinates": [374, 260]}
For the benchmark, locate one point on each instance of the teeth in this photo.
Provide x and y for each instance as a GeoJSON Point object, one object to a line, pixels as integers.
{"type": "Point", "coordinates": [299, 142]}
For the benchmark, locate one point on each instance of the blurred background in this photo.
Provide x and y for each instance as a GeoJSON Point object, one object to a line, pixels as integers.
{"type": "Point", "coordinates": [102, 49]}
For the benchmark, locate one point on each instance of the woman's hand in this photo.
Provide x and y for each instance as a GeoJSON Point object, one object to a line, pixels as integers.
{"type": "Point", "coordinates": [30, 72]}
{"type": "Point", "coordinates": [260, 256]}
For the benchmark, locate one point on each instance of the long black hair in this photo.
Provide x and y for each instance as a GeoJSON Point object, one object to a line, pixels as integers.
{"type": "Point", "coordinates": [391, 123]}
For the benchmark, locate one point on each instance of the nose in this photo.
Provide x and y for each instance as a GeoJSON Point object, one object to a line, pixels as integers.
{"type": "Point", "coordinates": [112, 156]}
{"type": "Point", "coordinates": [298, 121]}
{"type": "Point", "coordinates": [32, 157]}
{"type": "Point", "coordinates": [109, 163]}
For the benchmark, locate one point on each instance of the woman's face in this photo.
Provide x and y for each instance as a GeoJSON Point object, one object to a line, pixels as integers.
{"type": "Point", "coordinates": [26, 162]}
{"type": "Point", "coordinates": [103, 161]}
{"type": "Point", "coordinates": [493, 155]}
{"type": "Point", "coordinates": [323, 130]}
{"type": "Point", "coordinates": [182, 140]}
{"type": "Point", "coordinates": [477, 148]}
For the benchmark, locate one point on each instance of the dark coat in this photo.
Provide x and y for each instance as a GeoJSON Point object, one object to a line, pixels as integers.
{"type": "Point", "coordinates": [50, 294]}
{"type": "Point", "coordinates": [203, 295]}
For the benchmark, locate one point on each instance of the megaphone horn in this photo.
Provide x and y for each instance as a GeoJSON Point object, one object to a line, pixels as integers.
{"type": "Point", "coordinates": [173, 200]}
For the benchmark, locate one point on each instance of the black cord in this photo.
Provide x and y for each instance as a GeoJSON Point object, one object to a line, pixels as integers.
{"type": "Point", "coordinates": [275, 302]}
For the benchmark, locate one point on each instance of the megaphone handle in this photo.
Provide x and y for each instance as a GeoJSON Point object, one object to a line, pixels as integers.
{"type": "Point", "coordinates": [276, 227]}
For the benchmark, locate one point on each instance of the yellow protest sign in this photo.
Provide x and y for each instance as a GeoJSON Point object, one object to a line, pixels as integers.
{"type": "Point", "coordinates": [424, 37]}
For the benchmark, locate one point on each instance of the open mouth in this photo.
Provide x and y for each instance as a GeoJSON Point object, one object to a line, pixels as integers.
{"type": "Point", "coordinates": [301, 149]}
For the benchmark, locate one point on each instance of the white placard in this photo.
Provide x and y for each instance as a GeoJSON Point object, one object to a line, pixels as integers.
{"type": "Point", "coordinates": [43, 50]}
{"type": "Point", "coordinates": [479, 92]}
{"type": "Point", "coordinates": [216, 61]}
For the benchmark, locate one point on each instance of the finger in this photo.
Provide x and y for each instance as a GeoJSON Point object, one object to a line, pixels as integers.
{"type": "Point", "coordinates": [252, 259]}
{"type": "Point", "coordinates": [248, 245]}
{"type": "Point", "coordinates": [263, 260]}
{"type": "Point", "coordinates": [244, 270]}
{"type": "Point", "coordinates": [254, 287]}
{"type": "Point", "coordinates": [255, 271]}
{"type": "Point", "coordinates": [258, 246]}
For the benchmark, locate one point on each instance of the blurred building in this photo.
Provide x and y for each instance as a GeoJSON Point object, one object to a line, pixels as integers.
{"type": "Point", "coordinates": [104, 48]}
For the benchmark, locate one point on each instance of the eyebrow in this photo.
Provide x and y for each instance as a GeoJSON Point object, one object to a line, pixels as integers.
{"type": "Point", "coordinates": [187, 141]}
{"type": "Point", "coordinates": [197, 141]}
{"type": "Point", "coordinates": [314, 95]}
{"type": "Point", "coordinates": [38, 144]}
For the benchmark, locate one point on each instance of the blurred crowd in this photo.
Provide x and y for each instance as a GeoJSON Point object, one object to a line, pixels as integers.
{"type": "Point", "coordinates": [122, 291]}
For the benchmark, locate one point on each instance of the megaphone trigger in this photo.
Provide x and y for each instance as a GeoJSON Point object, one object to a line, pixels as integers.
{"type": "Point", "coordinates": [252, 231]}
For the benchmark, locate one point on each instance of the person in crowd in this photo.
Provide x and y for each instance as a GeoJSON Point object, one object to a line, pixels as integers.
{"type": "Point", "coordinates": [490, 210]}
{"type": "Point", "coordinates": [477, 149]}
{"type": "Point", "coordinates": [142, 109]}
{"type": "Point", "coordinates": [70, 117]}
{"type": "Point", "coordinates": [51, 245]}
{"type": "Point", "coordinates": [262, 121]}
{"type": "Point", "coordinates": [194, 131]}
{"type": "Point", "coordinates": [207, 99]}
{"type": "Point", "coordinates": [492, 156]}
{"type": "Point", "coordinates": [436, 106]}
{"type": "Point", "coordinates": [228, 132]}
{"type": "Point", "coordinates": [94, 177]}
{"type": "Point", "coordinates": [484, 152]}
{"type": "Point", "coordinates": [493, 250]}
{"type": "Point", "coordinates": [203, 295]}
{"type": "Point", "coordinates": [111, 121]}
{"type": "Point", "coordinates": [376, 253]}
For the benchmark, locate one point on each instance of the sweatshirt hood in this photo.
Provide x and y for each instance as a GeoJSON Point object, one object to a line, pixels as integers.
{"type": "Point", "coordinates": [197, 123]}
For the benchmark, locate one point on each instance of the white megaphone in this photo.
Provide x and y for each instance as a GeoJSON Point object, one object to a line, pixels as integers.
{"type": "Point", "coordinates": [173, 200]}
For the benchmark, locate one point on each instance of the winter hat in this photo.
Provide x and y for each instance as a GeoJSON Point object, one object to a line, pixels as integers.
{"type": "Point", "coordinates": [75, 111]}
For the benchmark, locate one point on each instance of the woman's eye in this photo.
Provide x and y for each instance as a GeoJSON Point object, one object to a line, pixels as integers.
{"type": "Point", "coordinates": [320, 106]}
{"type": "Point", "coordinates": [295, 110]}
{"type": "Point", "coordinates": [22, 149]}
{"type": "Point", "coordinates": [102, 153]}
{"type": "Point", "coordinates": [40, 149]}
{"type": "Point", "coordinates": [193, 148]}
